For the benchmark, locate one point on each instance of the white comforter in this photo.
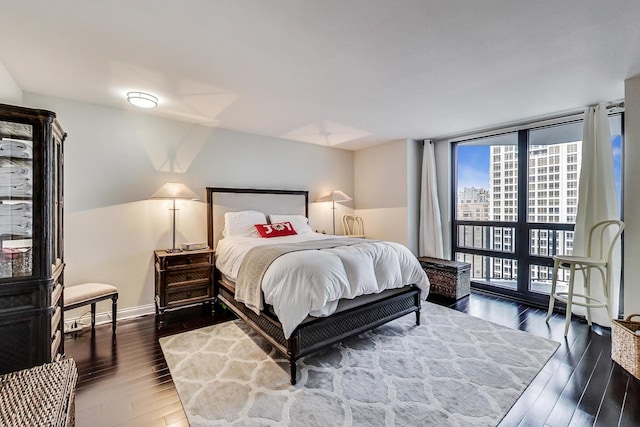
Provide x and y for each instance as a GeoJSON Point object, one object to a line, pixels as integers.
{"type": "Point", "coordinates": [305, 283]}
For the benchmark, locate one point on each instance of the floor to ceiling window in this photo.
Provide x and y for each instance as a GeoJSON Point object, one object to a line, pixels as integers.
{"type": "Point", "coordinates": [516, 201]}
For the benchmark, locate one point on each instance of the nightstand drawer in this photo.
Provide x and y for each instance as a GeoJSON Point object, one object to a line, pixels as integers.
{"type": "Point", "coordinates": [185, 295]}
{"type": "Point", "coordinates": [179, 278]}
{"type": "Point", "coordinates": [186, 260]}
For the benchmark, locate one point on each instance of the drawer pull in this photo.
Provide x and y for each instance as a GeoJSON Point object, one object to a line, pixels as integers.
{"type": "Point", "coordinates": [189, 277]}
{"type": "Point", "coordinates": [189, 294]}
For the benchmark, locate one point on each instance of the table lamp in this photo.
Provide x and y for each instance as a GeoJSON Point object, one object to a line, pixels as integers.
{"type": "Point", "coordinates": [334, 196]}
{"type": "Point", "coordinates": [174, 191]}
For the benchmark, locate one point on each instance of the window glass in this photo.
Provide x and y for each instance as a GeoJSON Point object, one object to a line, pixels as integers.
{"type": "Point", "coordinates": [475, 184]}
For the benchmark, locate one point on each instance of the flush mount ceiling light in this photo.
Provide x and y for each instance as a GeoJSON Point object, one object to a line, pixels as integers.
{"type": "Point", "coordinates": [141, 99]}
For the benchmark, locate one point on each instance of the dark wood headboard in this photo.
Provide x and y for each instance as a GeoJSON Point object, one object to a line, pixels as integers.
{"type": "Point", "coordinates": [221, 200]}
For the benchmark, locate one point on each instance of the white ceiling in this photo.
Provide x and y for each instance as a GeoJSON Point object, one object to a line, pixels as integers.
{"type": "Point", "coordinates": [345, 73]}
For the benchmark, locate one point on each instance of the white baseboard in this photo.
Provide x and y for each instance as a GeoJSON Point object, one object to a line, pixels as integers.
{"type": "Point", "coordinates": [105, 317]}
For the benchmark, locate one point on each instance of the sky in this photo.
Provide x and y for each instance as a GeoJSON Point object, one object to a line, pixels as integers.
{"type": "Point", "coordinates": [473, 166]}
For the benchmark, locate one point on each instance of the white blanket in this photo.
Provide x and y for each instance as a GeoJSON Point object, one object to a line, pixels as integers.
{"type": "Point", "coordinates": [305, 283]}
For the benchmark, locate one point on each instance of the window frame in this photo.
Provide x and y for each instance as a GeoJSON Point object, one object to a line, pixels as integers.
{"type": "Point", "coordinates": [521, 240]}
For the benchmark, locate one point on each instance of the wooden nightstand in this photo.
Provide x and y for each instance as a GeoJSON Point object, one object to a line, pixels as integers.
{"type": "Point", "coordinates": [183, 278]}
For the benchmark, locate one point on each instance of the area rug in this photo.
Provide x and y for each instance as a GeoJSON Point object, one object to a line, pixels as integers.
{"type": "Point", "coordinates": [453, 370]}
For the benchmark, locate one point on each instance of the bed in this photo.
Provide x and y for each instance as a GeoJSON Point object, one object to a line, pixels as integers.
{"type": "Point", "coordinates": [350, 312]}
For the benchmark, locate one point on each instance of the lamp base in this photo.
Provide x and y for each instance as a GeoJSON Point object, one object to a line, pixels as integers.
{"type": "Point", "coordinates": [173, 250]}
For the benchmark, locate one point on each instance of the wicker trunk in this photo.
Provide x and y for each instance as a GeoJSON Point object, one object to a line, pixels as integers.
{"type": "Point", "coordinates": [40, 396]}
{"type": "Point", "coordinates": [450, 279]}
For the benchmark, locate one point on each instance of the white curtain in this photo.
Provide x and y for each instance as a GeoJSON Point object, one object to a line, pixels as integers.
{"type": "Point", "coordinates": [430, 239]}
{"type": "Point", "coordinates": [597, 202]}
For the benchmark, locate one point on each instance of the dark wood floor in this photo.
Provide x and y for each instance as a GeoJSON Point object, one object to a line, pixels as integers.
{"type": "Point", "coordinates": [126, 382]}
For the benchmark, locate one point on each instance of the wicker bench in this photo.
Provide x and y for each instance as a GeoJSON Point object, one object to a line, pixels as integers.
{"type": "Point", "coordinates": [91, 293]}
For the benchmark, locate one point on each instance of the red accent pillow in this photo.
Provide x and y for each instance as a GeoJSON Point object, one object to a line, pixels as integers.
{"type": "Point", "coordinates": [276, 230]}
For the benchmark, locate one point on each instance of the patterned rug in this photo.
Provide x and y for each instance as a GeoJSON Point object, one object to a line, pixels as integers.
{"type": "Point", "coordinates": [453, 370]}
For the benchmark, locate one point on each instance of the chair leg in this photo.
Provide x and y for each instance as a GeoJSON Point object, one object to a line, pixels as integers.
{"type": "Point", "coordinates": [93, 316]}
{"type": "Point", "coordinates": [567, 321]}
{"type": "Point", "coordinates": [587, 288]}
{"type": "Point", "coordinates": [607, 287]}
{"type": "Point", "coordinates": [114, 310]}
{"type": "Point", "coordinates": [552, 294]}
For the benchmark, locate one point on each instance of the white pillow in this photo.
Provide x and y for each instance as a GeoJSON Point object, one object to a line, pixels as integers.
{"type": "Point", "coordinates": [242, 223]}
{"type": "Point", "coordinates": [300, 222]}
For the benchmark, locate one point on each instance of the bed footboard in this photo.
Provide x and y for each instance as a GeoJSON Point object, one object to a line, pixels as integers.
{"type": "Point", "coordinates": [319, 333]}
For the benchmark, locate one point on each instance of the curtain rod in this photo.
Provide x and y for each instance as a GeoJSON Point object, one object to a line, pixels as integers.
{"type": "Point", "coordinates": [614, 105]}
{"type": "Point", "coordinates": [537, 122]}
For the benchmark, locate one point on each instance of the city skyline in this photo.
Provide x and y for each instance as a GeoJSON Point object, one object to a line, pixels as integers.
{"type": "Point", "coordinates": [474, 160]}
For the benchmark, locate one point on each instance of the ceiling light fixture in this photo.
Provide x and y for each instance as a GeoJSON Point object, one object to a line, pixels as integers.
{"type": "Point", "coordinates": [141, 99]}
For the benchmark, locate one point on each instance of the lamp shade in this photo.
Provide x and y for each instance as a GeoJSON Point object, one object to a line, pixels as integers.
{"type": "Point", "coordinates": [334, 196]}
{"type": "Point", "coordinates": [175, 190]}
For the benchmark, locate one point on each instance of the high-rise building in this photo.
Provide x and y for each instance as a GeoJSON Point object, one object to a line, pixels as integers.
{"type": "Point", "coordinates": [473, 204]}
{"type": "Point", "coordinates": [552, 197]}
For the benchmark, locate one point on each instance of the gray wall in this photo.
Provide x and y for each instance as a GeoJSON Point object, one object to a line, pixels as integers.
{"type": "Point", "coordinates": [632, 196]}
{"type": "Point", "coordinates": [116, 159]}
{"type": "Point", "coordinates": [415, 149]}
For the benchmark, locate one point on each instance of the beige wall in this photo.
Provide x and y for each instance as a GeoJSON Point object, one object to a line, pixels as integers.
{"type": "Point", "coordinates": [387, 186]}
{"type": "Point", "coordinates": [10, 92]}
{"type": "Point", "coordinates": [116, 159]}
{"type": "Point", "coordinates": [380, 183]}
